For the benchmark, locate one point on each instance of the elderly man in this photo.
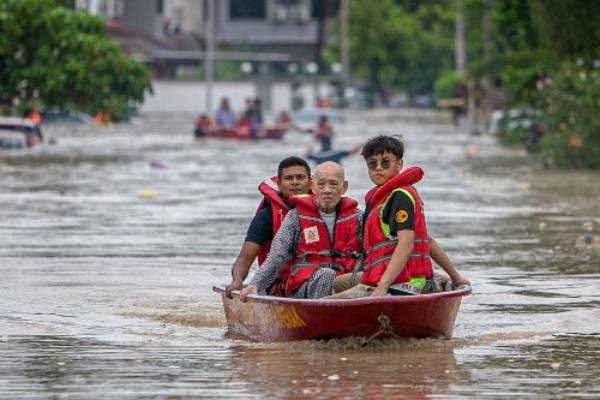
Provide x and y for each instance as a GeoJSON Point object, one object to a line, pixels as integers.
{"type": "Point", "coordinates": [317, 241]}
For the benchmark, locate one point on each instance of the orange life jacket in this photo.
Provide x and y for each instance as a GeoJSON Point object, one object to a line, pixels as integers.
{"type": "Point", "coordinates": [379, 244]}
{"type": "Point", "coordinates": [314, 249]}
{"type": "Point", "coordinates": [35, 117]}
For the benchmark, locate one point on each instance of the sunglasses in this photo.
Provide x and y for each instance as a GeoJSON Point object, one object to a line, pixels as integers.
{"type": "Point", "coordinates": [385, 164]}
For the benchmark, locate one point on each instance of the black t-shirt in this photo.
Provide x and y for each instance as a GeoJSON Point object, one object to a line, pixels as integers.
{"type": "Point", "coordinates": [399, 213]}
{"type": "Point", "coordinates": [260, 230]}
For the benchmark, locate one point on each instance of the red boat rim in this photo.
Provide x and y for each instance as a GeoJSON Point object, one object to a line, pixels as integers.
{"type": "Point", "coordinates": [464, 291]}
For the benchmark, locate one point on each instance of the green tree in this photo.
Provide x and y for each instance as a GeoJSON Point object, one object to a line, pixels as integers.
{"type": "Point", "coordinates": [547, 55]}
{"type": "Point", "coordinates": [569, 28]}
{"type": "Point", "coordinates": [405, 45]}
{"type": "Point", "coordinates": [52, 57]}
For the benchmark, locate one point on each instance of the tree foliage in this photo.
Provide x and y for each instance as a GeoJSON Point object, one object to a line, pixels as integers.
{"type": "Point", "coordinates": [399, 44]}
{"type": "Point", "coordinates": [52, 57]}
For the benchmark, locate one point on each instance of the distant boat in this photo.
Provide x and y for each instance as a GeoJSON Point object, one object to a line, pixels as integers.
{"type": "Point", "coordinates": [244, 133]}
{"type": "Point", "coordinates": [272, 319]}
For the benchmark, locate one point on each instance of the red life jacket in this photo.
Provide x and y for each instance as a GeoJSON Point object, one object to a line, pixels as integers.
{"type": "Point", "coordinates": [379, 244]}
{"type": "Point", "coordinates": [279, 209]}
{"type": "Point", "coordinates": [314, 249]}
{"type": "Point", "coordinates": [202, 123]}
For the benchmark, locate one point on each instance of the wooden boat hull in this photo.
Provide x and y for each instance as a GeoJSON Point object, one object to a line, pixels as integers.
{"type": "Point", "coordinates": [271, 319]}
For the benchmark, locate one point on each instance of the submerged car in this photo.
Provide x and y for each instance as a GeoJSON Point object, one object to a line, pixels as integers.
{"type": "Point", "coordinates": [19, 133]}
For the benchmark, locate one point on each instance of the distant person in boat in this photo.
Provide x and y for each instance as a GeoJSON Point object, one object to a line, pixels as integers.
{"type": "Point", "coordinates": [201, 126]}
{"type": "Point", "coordinates": [397, 248]}
{"type": "Point", "coordinates": [257, 121]}
{"type": "Point", "coordinates": [318, 240]}
{"type": "Point", "coordinates": [252, 117]}
{"type": "Point", "coordinates": [324, 133]}
{"type": "Point", "coordinates": [225, 118]}
{"type": "Point", "coordinates": [293, 178]}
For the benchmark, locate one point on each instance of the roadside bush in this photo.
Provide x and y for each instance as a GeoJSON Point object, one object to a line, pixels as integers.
{"type": "Point", "coordinates": [569, 100]}
{"type": "Point", "coordinates": [446, 83]}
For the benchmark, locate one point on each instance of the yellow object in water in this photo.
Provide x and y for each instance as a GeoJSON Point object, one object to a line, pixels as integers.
{"type": "Point", "coordinates": [588, 240]}
{"type": "Point", "coordinates": [147, 195]}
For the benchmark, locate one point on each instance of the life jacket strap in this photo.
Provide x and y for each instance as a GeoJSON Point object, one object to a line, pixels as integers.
{"type": "Point", "coordinates": [322, 253]}
{"type": "Point", "coordinates": [391, 243]}
{"type": "Point", "coordinates": [331, 265]}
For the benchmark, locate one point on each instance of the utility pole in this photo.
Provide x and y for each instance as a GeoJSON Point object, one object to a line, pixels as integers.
{"type": "Point", "coordinates": [460, 54]}
{"type": "Point", "coordinates": [344, 51]}
{"type": "Point", "coordinates": [209, 61]}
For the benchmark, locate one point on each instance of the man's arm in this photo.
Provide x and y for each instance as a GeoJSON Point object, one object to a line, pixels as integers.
{"type": "Point", "coordinates": [439, 256]}
{"type": "Point", "coordinates": [404, 247]}
{"type": "Point", "coordinates": [281, 252]}
{"type": "Point", "coordinates": [259, 232]}
{"type": "Point", "coordinates": [241, 266]}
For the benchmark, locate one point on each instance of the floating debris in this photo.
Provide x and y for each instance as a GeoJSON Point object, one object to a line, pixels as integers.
{"type": "Point", "coordinates": [157, 165]}
{"type": "Point", "coordinates": [147, 195]}
{"type": "Point", "coordinates": [587, 240]}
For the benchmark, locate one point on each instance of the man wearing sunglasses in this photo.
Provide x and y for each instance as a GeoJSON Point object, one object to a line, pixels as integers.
{"type": "Point", "coordinates": [293, 179]}
{"type": "Point", "coordinates": [396, 245]}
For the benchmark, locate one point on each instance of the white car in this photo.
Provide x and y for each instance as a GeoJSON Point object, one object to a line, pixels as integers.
{"type": "Point", "coordinates": [18, 133]}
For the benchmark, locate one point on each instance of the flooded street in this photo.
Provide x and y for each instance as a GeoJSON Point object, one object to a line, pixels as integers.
{"type": "Point", "coordinates": [111, 240]}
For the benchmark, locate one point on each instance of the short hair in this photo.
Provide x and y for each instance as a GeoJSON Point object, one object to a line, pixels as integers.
{"type": "Point", "coordinates": [382, 143]}
{"type": "Point", "coordinates": [290, 162]}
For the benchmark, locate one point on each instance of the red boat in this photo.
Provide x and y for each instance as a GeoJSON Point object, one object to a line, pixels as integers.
{"type": "Point", "coordinates": [243, 133]}
{"type": "Point", "coordinates": [273, 319]}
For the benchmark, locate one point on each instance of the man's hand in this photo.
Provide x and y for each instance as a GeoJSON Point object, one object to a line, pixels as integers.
{"type": "Point", "coordinates": [457, 281]}
{"type": "Point", "coordinates": [250, 289]}
{"type": "Point", "coordinates": [234, 285]}
{"type": "Point", "coordinates": [379, 291]}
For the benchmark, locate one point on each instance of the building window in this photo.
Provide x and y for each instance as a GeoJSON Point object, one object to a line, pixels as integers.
{"type": "Point", "coordinates": [247, 9]}
{"type": "Point", "coordinates": [159, 6]}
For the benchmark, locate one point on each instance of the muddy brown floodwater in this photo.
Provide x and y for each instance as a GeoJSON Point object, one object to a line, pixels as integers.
{"type": "Point", "coordinates": [107, 294]}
